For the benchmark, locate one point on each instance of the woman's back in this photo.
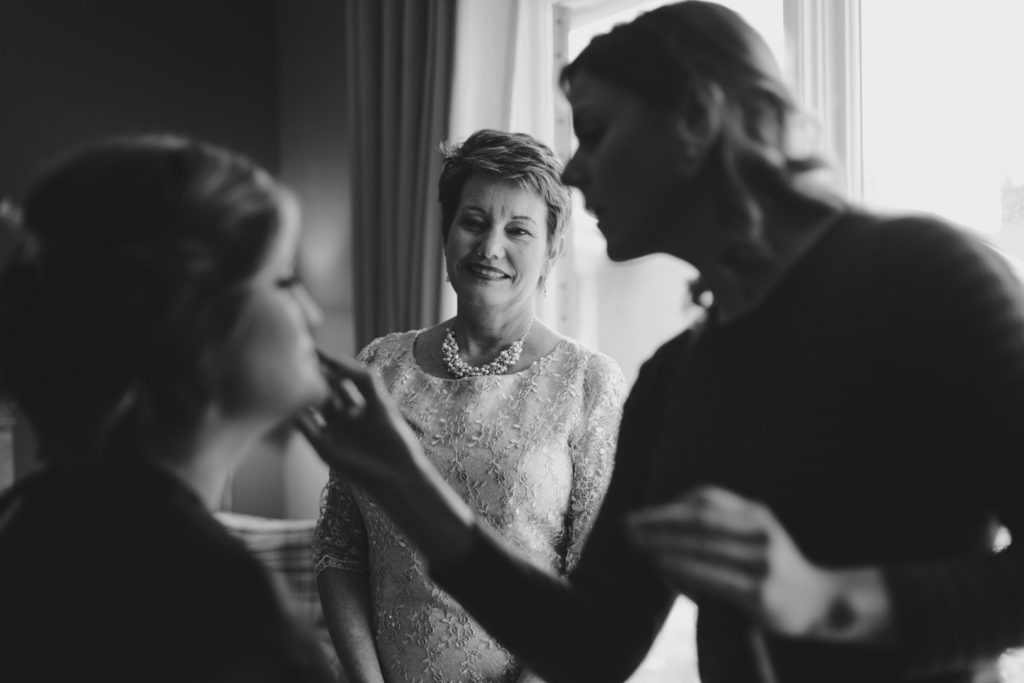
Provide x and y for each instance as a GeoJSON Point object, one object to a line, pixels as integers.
{"type": "Point", "coordinates": [119, 573]}
{"type": "Point", "coordinates": [151, 332]}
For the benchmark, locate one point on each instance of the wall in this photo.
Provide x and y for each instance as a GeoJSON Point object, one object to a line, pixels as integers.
{"type": "Point", "coordinates": [314, 162]}
{"type": "Point", "coordinates": [74, 70]}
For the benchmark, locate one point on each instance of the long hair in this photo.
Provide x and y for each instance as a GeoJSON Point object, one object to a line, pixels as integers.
{"type": "Point", "coordinates": [126, 283]}
{"type": "Point", "coordinates": [700, 54]}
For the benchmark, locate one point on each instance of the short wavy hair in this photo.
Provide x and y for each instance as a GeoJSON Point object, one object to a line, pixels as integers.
{"type": "Point", "coordinates": [517, 157]}
{"type": "Point", "coordinates": [129, 277]}
{"type": "Point", "coordinates": [702, 53]}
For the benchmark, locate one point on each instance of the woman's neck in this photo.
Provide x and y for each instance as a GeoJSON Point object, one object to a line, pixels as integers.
{"type": "Point", "coordinates": [204, 461]}
{"type": "Point", "coordinates": [740, 285]}
{"type": "Point", "coordinates": [484, 334]}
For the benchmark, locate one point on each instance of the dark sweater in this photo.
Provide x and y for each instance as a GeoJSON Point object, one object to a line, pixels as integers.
{"type": "Point", "coordinates": [875, 403]}
{"type": "Point", "coordinates": [120, 574]}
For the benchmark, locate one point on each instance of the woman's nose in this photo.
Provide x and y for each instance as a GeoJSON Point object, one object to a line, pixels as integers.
{"type": "Point", "coordinates": [310, 308]}
{"type": "Point", "coordinates": [492, 245]}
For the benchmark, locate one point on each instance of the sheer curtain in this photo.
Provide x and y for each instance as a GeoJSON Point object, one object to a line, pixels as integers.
{"type": "Point", "coordinates": [506, 78]}
{"type": "Point", "coordinates": [399, 56]}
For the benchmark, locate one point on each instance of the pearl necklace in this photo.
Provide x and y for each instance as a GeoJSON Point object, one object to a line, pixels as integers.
{"type": "Point", "coordinates": [459, 368]}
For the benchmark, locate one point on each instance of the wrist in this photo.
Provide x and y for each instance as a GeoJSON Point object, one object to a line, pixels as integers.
{"type": "Point", "coordinates": [855, 609]}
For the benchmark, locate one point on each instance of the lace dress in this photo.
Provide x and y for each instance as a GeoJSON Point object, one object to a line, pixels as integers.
{"type": "Point", "coordinates": [530, 452]}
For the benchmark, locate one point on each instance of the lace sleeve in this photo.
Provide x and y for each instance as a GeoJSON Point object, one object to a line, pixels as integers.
{"type": "Point", "coordinates": [593, 453]}
{"type": "Point", "coordinates": [339, 540]}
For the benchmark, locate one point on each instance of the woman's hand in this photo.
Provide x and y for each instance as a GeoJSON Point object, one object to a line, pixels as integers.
{"type": "Point", "coordinates": [361, 434]}
{"type": "Point", "coordinates": [358, 430]}
{"type": "Point", "coordinates": [714, 543]}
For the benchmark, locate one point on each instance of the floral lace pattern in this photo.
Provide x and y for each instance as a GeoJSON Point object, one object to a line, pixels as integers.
{"type": "Point", "coordinates": [530, 452]}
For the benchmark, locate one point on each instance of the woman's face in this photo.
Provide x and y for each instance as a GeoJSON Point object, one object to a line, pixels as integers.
{"type": "Point", "coordinates": [629, 166]}
{"type": "Point", "coordinates": [497, 246]}
{"type": "Point", "coordinates": [275, 371]}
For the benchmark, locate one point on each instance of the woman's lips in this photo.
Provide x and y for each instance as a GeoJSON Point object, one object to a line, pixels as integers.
{"type": "Point", "coordinates": [485, 272]}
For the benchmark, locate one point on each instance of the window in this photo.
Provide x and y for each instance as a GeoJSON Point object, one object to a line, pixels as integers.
{"type": "Point", "coordinates": [943, 116]}
{"type": "Point", "coordinates": [935, 124]}
{"type": "Point", "coordinates": [919, 105]}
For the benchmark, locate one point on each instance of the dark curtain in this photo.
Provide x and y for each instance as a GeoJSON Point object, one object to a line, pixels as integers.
{"type": "Point", "coordinates": [400, 55]}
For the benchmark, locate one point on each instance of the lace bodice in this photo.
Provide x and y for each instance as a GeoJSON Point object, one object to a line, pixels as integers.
{"type": "Point", "coordinates": [530, 452]}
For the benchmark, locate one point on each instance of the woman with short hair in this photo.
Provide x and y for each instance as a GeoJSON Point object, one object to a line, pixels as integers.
{"type": "Point", "coordinates": [518, 419]}
{"type": "Point", "coordinates": [820, 463]}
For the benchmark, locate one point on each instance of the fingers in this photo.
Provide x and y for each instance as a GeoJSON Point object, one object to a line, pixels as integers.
{"type": "Point", "coordinates": [727, 502]}
{"type": "Point", "coordinates": [339, 369]}
{"type": "Point", "coordinates": [346, 401]}
{"type": "Point", "coordinates": [310, 423]}
{"type": "Point", "coordinates": [697, 578]}
{"type": "Point", "coordinates": [747, 553]}
{"type": "Point", "coordinates": [711, 541]}
{"type": "Point", "coordinates": [353, 399]}
{"type": "Point", "coordinates": [699, 514]}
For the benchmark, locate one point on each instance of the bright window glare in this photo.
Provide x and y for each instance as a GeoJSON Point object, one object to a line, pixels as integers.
{"type": "Point", "coordinates": [943, 112]}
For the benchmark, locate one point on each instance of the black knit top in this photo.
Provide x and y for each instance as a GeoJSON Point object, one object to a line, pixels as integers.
{"type": "Point", "coordinates": [875, 403]}
{"type": "Point", "coordinates": [119, 574]}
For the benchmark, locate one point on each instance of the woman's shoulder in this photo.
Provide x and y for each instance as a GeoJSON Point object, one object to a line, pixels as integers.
{"type": "Point", "coordinates": [600, 372]}
{"type": "Point", "coordinates": [931, 249]}
{"type": "Point", "coordinates": [664, 363]}
{"type": "Point", "coordinates": [918, 234]}
{"type": "Point", "coordinates": [587, 355]}
{"type": "Point", "coordinates": [572, 352]}
{"type": "Point", "coordinates": [388, 346]}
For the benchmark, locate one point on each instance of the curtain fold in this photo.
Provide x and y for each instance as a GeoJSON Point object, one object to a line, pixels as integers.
{"type": "Point", "coordinates": [400, 64]}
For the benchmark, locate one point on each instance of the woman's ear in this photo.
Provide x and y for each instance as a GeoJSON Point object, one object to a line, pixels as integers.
{"type": "Point", "coordinates": [699, 117]}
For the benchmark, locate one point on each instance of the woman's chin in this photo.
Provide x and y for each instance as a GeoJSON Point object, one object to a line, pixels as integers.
{"type": "Point", "coordinates": [619, 252]}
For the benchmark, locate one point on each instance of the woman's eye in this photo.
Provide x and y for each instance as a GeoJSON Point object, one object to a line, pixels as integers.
{"type": "Point", "coordinates": [288, 282]}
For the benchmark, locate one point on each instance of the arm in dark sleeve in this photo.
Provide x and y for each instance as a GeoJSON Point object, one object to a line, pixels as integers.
{"type": "Point", "coordinates": [970, 315]}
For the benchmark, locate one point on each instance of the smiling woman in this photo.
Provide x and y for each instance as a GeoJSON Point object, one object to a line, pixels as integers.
{"type": "Point", "coordinates": [521, 421]}
{"type": "Point", "coordinates": [497, 248]}
{"type": "Point", "coordinates": [815, 462]}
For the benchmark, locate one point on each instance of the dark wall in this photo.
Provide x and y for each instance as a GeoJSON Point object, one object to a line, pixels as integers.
{"type": "Point", "coordinates": [73, 70]}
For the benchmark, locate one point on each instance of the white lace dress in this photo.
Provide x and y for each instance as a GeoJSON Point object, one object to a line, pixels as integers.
{"type": "Point", "coordinates": [530, 452]}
